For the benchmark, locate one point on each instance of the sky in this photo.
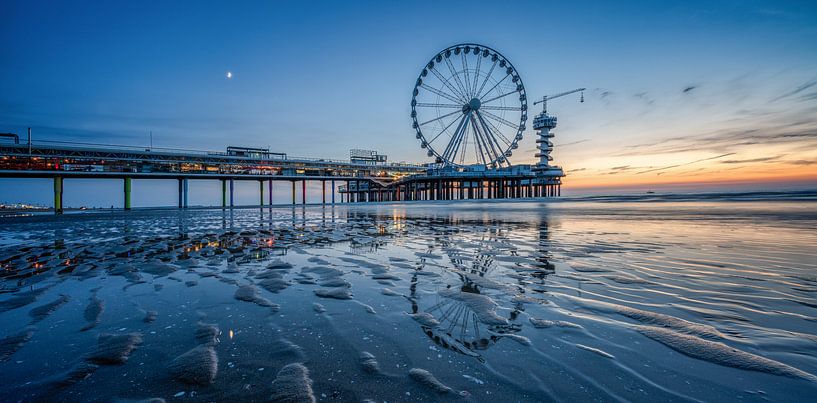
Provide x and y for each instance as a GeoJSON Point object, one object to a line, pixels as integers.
{"type": "Point", "coordinates": [680, 95]}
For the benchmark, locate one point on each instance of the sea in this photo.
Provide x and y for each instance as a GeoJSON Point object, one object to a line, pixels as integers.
{"type": "Point", "coordinates": [648, 298]}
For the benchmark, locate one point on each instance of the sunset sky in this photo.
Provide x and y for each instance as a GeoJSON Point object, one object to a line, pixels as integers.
{"type": "Point", "coordinates": [699, 94]}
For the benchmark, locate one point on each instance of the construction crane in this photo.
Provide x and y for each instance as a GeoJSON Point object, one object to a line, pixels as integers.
{"type": "Point", "coordinates": [544, 100]}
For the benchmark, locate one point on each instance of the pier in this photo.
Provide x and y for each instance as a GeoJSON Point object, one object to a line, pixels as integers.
{"type": "Point", "coordinates": [70, 161]}
{"type": "Point", "coordinates": [352, 181]}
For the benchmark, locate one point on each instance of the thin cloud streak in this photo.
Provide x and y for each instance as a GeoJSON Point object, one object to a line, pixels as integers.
{"type": "Point", "coordinates": [685, 164]}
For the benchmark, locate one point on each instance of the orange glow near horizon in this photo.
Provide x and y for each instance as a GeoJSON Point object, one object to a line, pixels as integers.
{"type": "Point", "coordinates": [711, 174]}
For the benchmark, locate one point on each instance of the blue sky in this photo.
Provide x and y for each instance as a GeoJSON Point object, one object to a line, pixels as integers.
{"type": "Point", "coordinates": [318, 78]}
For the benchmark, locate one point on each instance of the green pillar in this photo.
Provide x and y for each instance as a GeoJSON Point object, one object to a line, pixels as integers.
{"type": "Point", "coordinates": [127, 193]}
{"type": "Point", "coordinates": [57, 195]}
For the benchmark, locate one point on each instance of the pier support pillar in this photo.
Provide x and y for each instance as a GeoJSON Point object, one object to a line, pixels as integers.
{"type": "Point", "coordinates": [323, 190]}
{"type": "Point", "coordinates": [223, 193]}
{"type": "Point", "coordinates": [293, 193]}
{"type": "Point", "coordinates": [261, 191]}
{"type": "Point", "coordinates": [232, 191]}
{"type": "Point", "coordinates": [333, 191]}
{"type": "Point", "coordinates": [269, 196]}
{"type": "Point", "coordinates": [57, 195]}
{"type": "Point", "coordinates": [127, 193]}
{"type": "Point", "coordinates": [303, 191]}
{"type": "Point", "coordinates": [181, 192]}
{"type": "Point", "coordinates": [186, 191]}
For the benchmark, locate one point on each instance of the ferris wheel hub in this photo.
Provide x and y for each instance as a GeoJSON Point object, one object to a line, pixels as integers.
{"type": "Point", "coordinates": [474, 104]}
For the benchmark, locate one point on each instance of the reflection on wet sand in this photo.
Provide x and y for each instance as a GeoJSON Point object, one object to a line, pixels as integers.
{"type": "Point", "coordinates": [395, 303]}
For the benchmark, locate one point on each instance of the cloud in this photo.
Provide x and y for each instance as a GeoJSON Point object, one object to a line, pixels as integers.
{"type": "Point", "coordinates": [644, 97]}
{"type": "Point", "coordinates": [664, 168]}
{"type": "Point", "coordinates": [762, 159]}
{"type": "Point", "coordinates": [576, 170]}
{"type": "Point", "coordinates": [797, 90]}
{"type": "Point", "coordinates": [802, 162]}
{"type": "Point", "coordinates": [572, 143]}
{"type": "Point", "coordinates": [808, 97]}
{"type": "Point", "coordinates": [729, 140]}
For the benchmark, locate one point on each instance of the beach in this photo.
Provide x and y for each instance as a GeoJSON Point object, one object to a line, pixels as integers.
{"type": "Point", "coordinates": [639, 298]}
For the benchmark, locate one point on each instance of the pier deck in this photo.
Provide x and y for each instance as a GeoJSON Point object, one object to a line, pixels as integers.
{"type": "Point", "coordinates": [359, 182]}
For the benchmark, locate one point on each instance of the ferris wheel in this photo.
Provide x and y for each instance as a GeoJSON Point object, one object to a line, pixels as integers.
{"type": "Point", "coordinates": [469, 107]}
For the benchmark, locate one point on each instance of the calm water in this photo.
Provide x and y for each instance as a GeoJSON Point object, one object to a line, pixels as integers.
{"type": "Point", "coordinates": [662, 299]}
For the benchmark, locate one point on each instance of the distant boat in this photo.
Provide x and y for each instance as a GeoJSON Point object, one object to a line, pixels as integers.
{"type": "Point", "coordinates": [649, 192]}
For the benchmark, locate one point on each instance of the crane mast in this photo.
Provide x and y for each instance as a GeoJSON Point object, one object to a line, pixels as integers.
{"type": "Point", "coordinates": [543, 124]}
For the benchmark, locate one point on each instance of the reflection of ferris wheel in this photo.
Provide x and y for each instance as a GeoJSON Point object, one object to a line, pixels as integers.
{"type": "Point", "coordinates": [469, 107]}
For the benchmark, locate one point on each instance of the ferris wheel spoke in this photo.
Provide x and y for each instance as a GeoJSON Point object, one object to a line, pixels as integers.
{"type": "Point", "coordinates": [462, 154]}
{"type": "Point", "coordinates": [494, 131]}
{"type": "Point", "coordinates": [438, 118]}
{"type": "Point", "coordinates": [485, 81]}
{"type": "Point", "coordinates": [455, 76]}
{"type": "Point", "coordinates": [487, 147]}
{"type": "Point", "coordinates": [446, 82]}
{"type": "Point", "coordinates": [466, 79]}
{"type": "Point", "coordinates": [501, 120]}
{"type": "Point", "coordinates": [446, 128]}
{"type": "Point", "coordinates": [454, 135]}
{"type": "Point", "coordinates": [440, 93]}
{"type": "Point", "coordinates": [500, 108]}
{"type": "Point", "coordinates": [457, 136]}
{"type": "Point", "coordinates": [428, 105]}
{"type": "Point", "coordinates": [499, 96]}
{"type": "Point", "coordinates": [484, 150]}
{"type": "Point", "coordinates": [463, 138]}
{"type": "Point", "coordinates": [478, 150]}
{"type": "Point", "coordinates": [490, 140]}
{"type": "Point", "coordinates": [495, 85]}
{"type": "Point", "coordinates": [476, 74]}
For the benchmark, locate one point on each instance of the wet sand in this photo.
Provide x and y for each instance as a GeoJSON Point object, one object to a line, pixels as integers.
{"type": "Point", "coordinates": [670, 300]}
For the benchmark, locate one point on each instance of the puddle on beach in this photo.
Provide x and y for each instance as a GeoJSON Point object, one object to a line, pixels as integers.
{"type": "Point", "coordinates": [474, 301]}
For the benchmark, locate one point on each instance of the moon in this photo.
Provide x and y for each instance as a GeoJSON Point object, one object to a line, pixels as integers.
{"type": "Point", "coordinates": [229, 75]}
